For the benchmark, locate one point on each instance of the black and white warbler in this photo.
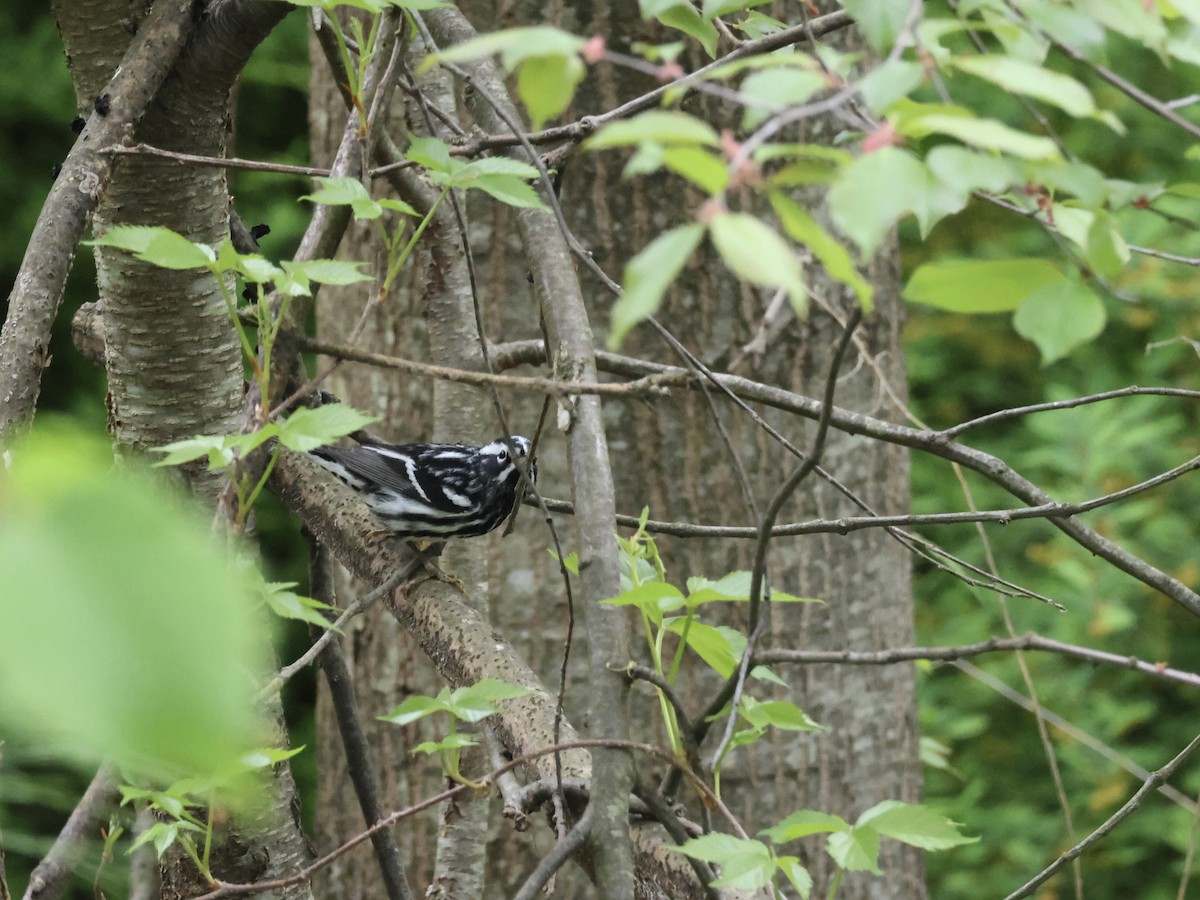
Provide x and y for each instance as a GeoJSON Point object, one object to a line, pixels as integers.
{"type": "Point", "coordinates": [433, 491]}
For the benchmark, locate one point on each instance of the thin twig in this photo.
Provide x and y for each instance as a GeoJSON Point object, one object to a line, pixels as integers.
{"type": "Point", "coordinates": [360, 762]}
{"type": "Point", "coordinates": [1156, 779]}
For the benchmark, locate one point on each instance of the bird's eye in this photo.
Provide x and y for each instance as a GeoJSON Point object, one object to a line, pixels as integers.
{"type": "Point", "coordinates": [502, 455]}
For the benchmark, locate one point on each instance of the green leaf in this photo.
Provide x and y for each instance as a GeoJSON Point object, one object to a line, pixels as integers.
{"type": "Point", "coordinates": [989, 134]}
{"type": "Point", "coordinates": [430, 153]}
{"type": "Point", "coordinates": [665, 127]}
{"type": "Point", "coordinates": [158, 246]}
{"type": "Point", "coordinates": [213, 446]}
{"type": "Point", "coordinates": [888, 82]}
{"type": "Point", "coordinates": [648, 276]}
{"type": "Point", "coordinates": [756, 253]}
{"type": "Point", "coordinates": [856, 850]}
{"type": "Point", "coordinates": [327, 271]}
{"type": "Point", "coordinates": [745, 864]}
{"type": "Point", "coordinates": [264, 757]}
{"type": "Point", "coordinates": [570, 562]}
{"type": "Point", "coordinates": [508, 189]}
{"type": "Point", "coordinates": [477, 701]}
{"type": "Point", "coordinates": [653, 598]}
{"type": "Point", "coordinates": [1020, 77]}
{"type": "Point", "coordinates": [414, 708]}
{"type": "Point", "coordinates": [720, 647]}
{"type": "Point", "coordinates": [768, 91]}
{"type": "Point", "coordinates": [343, 191]}
{"type": "Point", "coordinates": [515, 45]}
{"type": "Point", "coordinates": [795, 872]}
{"type": "Point", "coordinates": [1060, 317]}
{"type": "Point", "coordinates": [307, 429]}
{"type": "Point", "coordinates": [874, 192]}
{"type": "Point", "coordinates": [698, 166]}
{"type": "Point", "coordinates": [546, 85]}
{"type": "Point", "coordinates": [1106, 250]}
{"type": "Point", "coordinates": [95, 556]}
{"type": "Point", "coordinates": [880, 20]}
{"type": "Point", "coordinates": [399, 206]}
{"type": "Point", "coordinates": [685, 18]}
{"type": "Point", "coordinates": [980, 286]}
{"type": "Point", "coordinates": [290, 605]}
{"type": "Point", "coordinates": [457, 740]}
{"type": "Point", "coordinates": [781, 714]}
{"type": "Point", "coordinates": [836, 259]}
{"type": "Point", "coordinates": [916, 825]}
{"type": "Point", "coordinates": [805, 823]}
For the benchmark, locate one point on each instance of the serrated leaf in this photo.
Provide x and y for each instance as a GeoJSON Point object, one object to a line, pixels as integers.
{"type": "Point", "coordinates": [488, 690]}
{"type": "Point", "coordinates": [654, 599]}
{"type": "Point", "coordinates": [880, 20]}
{"type": "Point", "coordinates": [685, 18]}
{"type": "Point", "coordinates": [307, 429]}
{"type": "Point", "coordinates": [430, 153]}
{"type": "Point", "coordinates": [546, 85]}
{"type": "Point", "coordinates": [836, 259]}
{"type": "Point", "coordinates": [506, 188]}
{"type": "Point", "coordinates": [648, 276]}
{"type": "Point", "coordinates": [1060, 317]}
{"type": "Point", "coordinates": [1031, 80]}
{"type": "Point", "coordinates": [989, 134]}
{"type": "Point", "coordinates": [158, 246]}
{"type": "Point", "coordinates": [343, 191]}
{"type": "Point", "coordinates": [856, 850]}
{"type": "Point", "coordinates": [290, 605]}
{"type": "Point", "coordinates": [327, 271]}
{"type": "Point", "coordinates": [414, 708]}
{"type": "Point", "coordinates": [888, 82]}
{"type": "Point", "coordinates": [980, 286]}
{"type": "Point", "coordinates": [718, 848]}
{"type": "Point", "coordinates": [212, 446]}
{"type": "Point", "coordinates": [795, 872]}
{"type": "Point", "coordinates": [781, 714]}
{"type": "Point", "coordinates": [874, 192]}
{"type": "Point", "coordinates": [914, 824]}
{"type": "Point", "coordinates": [804, 823]}
{"type": "Point", "coordinates": [667, 127]}
{"type": "Point", "coordinates": [397, 205]}
{"type": "Point", "coordinates": [513, 44]}
{"type": "Point", "coordinates": [264, 757]}
{"type": "Point", "coordinates": [720, 647]}
{"type": "Point", "coordinates": [458, 740]}
{"type": "Point", "coordinates": [698, 166]}
{"type": "Point", "coordinates": [770, 90]}
{"type": "Point", "coordinates": [756, 253]}
{"type": "Point", "coordinates": [570, 562]}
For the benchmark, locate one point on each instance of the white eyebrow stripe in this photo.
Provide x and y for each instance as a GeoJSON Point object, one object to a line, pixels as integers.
{"type": "Point", "coordinates": [456, 498]}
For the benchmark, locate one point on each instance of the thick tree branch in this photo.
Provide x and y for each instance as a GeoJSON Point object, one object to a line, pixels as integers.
{"type": "Point", "coordinates": [569, 332]}
{"type": "Point", "coordinates": [33, 303]}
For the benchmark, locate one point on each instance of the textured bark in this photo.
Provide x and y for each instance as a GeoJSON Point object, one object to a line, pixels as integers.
{"type": "Point", "coordinates": [668, 454]}
{"type": "Point", "coordinates": [173, 361]}
{"type": "Point", "coordinates": [88, 168]}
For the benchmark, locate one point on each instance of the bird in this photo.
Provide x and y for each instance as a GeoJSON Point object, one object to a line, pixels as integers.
{"type": "Point", "coordinates": [434, 491]}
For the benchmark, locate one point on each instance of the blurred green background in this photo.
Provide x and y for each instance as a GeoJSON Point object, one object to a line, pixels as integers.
{"type": "Point", "coordinates": [996, 781]}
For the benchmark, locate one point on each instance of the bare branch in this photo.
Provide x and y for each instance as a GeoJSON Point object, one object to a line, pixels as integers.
{"type": "Point", "coordinates": [1156, 779]}
{"type": "Point", "coordinates": [50, 877]}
